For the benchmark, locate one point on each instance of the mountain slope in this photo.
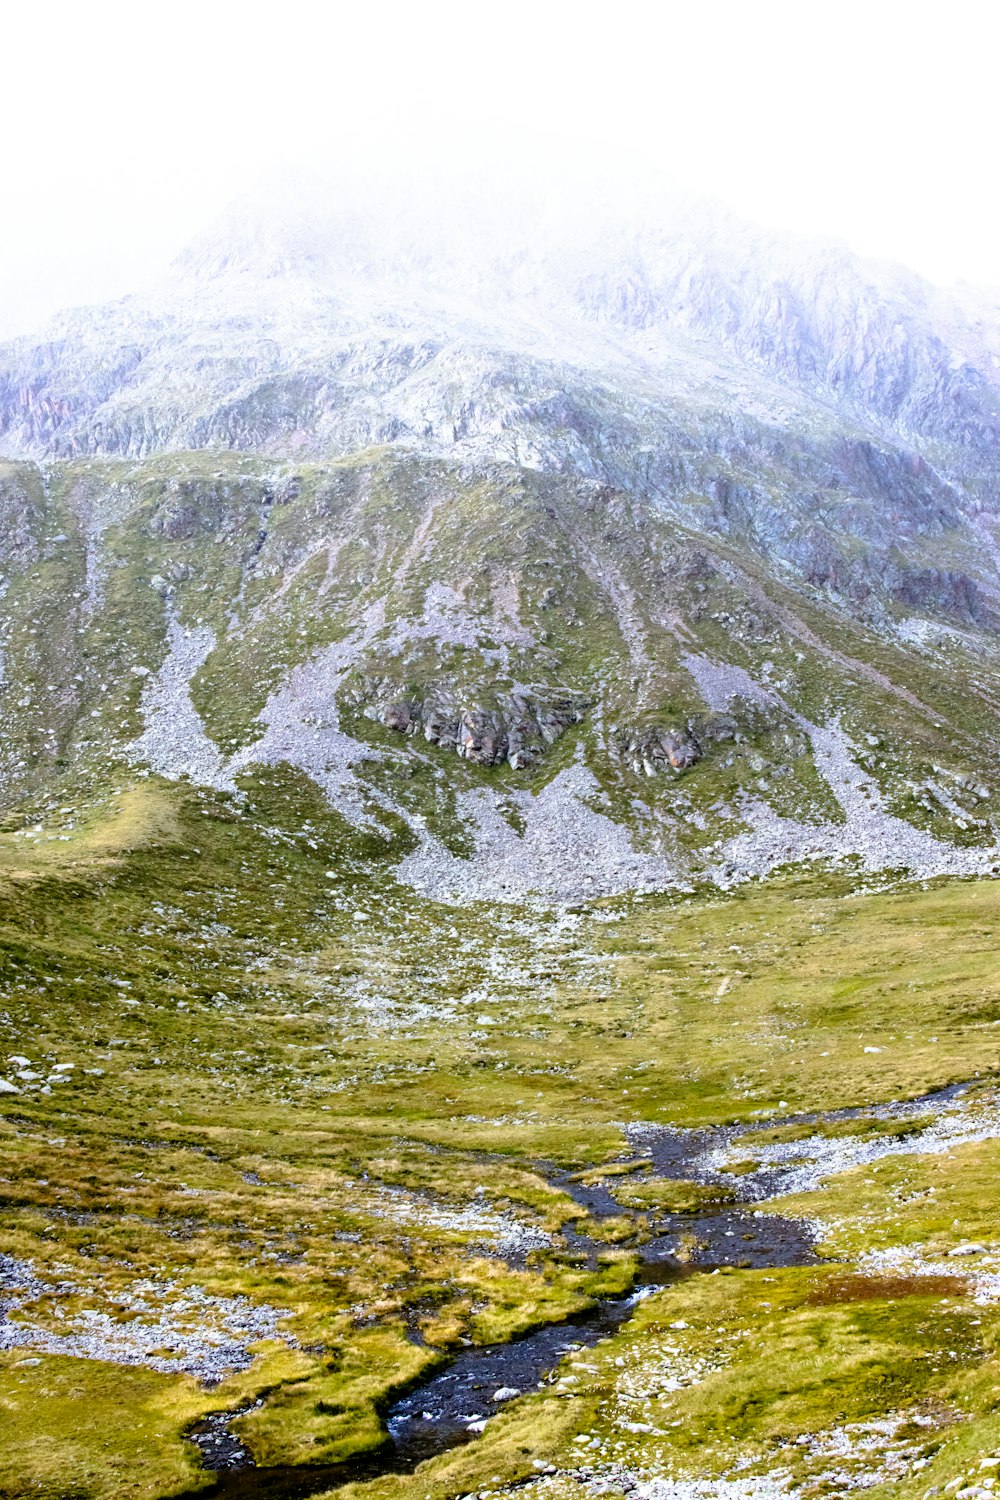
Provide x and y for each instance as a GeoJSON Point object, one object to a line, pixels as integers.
{"type": "Point", "coordinates": [200, 614]}
{"type": "Point", "coordinates": [498, 726]}
{"type": "Point", "coordinates": [598, 459]}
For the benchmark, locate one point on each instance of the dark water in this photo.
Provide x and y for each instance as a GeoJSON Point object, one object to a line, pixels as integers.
{"type": "Point", "coordinates": [438, 1414]}
{"type": "Point", "coordinates": [290, 1483]}
{"type": "Point", "coordinates": [444, 1410]}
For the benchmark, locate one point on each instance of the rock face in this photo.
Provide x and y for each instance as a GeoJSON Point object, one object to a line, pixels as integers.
{"type": "Point", "coordinates": [516, 731]}
{"type": "Point", "coordinates": [653, 751]}
{"type": "Point", "coordinates": [815, 409]}
{"type": "Point", "coordinates": [329, 320]}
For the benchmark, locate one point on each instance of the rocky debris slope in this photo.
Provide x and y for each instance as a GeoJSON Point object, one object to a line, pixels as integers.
{"type": "Point", "coordinates": [173, 742]}
{"type": "Point", "coordinates": [543, 685]}
{"type": "Point", "coordinates": [567, 850]}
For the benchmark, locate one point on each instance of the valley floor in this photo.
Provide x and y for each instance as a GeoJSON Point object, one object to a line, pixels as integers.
{"type": "Point", "coordinates": [281, 1138]}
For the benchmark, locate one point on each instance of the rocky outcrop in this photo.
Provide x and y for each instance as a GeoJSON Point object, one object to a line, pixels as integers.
{"type": "Point", "coordinates": [654, 751]}
{"type": "Point", "coordinates": [943, 591]}
{"type": "Point", "coordinates": [21, 515]}
{"type": "Point", "coordinates": [515, 729]}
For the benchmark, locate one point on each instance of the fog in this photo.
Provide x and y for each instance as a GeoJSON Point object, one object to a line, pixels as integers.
{"type": "Point", "coordinates": [130, 128]}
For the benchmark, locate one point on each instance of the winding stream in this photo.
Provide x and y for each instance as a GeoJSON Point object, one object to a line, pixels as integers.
{"type": "Point", "coordinates": [451, 1406]}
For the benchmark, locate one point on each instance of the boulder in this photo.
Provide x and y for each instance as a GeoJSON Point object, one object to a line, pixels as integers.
{"type": "Point", "coordinates": [398, 716]}
{"type": "Point", "coordinates": [482, 738]}
{"type": "Point", "coordinates": [653, 751]}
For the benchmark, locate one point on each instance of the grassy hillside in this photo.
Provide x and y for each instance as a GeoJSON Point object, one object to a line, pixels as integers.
{"type": "Point", "coordinates": [381, 853]}
{"type": "Point", "coordinates": [294, 1081]}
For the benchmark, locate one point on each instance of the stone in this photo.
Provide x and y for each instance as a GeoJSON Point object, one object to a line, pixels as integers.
{"type": "Point", "coordinates": [397, 716]}
{"type": "Point", "coordinates": [651, 752]}
{"type": "Point", "coordinates": [516, 729]}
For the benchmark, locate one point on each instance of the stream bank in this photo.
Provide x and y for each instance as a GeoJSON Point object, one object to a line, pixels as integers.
{"type": "Point", "coordinates": [453, 1405]}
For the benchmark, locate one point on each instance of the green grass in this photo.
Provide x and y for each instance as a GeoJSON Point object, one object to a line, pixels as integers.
{"type": "Point", "coordinates": [661, 1195]}
{"type": "Point", "coordinates": [210, 1004]}
{"type": "Point", "coordinates": [79, 1429]}
{"type": "Point", "coordinates": [274, 1100]}
{"type": "Point", "coordinates": [726, 1374]}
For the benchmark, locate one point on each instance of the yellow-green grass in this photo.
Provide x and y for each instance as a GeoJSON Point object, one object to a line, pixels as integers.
{"type": "Point", "coordinates": [663, 1195]}
{"type": "Point", "coordinates": [764, 1359]}
{"type": "Point", "coordinates": [935, 1201]}
{"type": "Point", "coordinates": [236, 1119]}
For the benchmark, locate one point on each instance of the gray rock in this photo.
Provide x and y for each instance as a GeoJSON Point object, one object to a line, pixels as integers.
{"type": "Point", "coordinates": [516, 728]}
{"type": "Point", "coordinates": [654, 751]}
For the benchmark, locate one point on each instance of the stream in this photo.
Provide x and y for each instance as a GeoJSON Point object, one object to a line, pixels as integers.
{"type": "Point", "coordinates": [452, 1406]}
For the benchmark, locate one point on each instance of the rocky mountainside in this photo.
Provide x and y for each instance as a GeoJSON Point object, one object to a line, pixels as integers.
{"type": "Point", "coordinates": [671, 539]}
{"type": "Point", "coordinates": [489, 706]}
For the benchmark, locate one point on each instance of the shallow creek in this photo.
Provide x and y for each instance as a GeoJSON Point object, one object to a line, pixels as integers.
{"type": "Point", "coordinates": [451, 1406]}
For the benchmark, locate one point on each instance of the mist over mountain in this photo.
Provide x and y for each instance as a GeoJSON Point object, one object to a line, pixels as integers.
{"type": "Point", "coordinates": [675, 294]}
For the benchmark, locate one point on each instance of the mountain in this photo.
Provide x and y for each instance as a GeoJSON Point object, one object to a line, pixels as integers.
{"type": "Point", "coordinates": [499, 699]}
{"type": "Point", "coordinates": [684, 517]}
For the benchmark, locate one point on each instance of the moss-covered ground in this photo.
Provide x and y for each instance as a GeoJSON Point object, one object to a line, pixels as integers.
{"type": "Point", "coordinates": [294, 1082]}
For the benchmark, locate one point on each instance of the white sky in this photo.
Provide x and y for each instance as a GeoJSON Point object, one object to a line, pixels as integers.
{"type": "Point", "coordinates": [129, 125]}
